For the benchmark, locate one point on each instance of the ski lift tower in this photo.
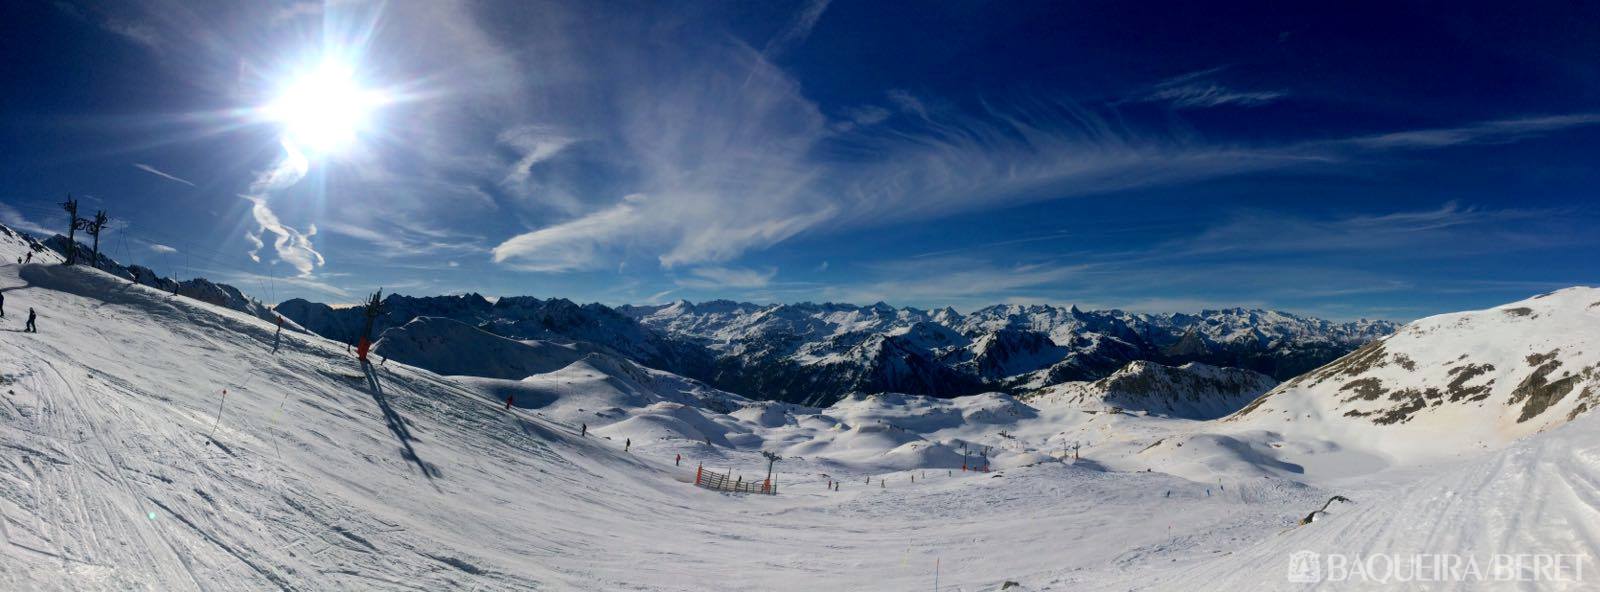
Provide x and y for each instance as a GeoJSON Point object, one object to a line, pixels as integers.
{"type": "Point", "coordinates": [772, 458]}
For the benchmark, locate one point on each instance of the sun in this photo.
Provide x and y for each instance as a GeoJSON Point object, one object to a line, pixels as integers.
{"type": "Point", "coordinates": [324, 110]}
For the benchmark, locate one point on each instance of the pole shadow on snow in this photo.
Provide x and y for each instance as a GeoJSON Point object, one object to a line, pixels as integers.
{"type": "Point", "coordinates": [397, 424]}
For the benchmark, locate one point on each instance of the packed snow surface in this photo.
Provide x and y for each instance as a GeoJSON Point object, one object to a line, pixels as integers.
{"type": "Point", "coordinates": [127, 467]}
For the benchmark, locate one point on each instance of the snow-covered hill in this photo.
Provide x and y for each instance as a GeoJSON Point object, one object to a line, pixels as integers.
{"type": "Point", "coordinates": [54, 250]}
{"type": "Point", "coordinates": [1192, 391]}
{"type": "Point", "coordinates": [450, 347]}
{"type": "Point", "coordinates": [1456, 382]}
{"type": "Point", "coordinates": [594, 327]}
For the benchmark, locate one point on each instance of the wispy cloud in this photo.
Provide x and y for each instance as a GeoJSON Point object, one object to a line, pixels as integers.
{"type": "Point", "coordinates": [1463, 228]}
{"type": "Point", "coordinates": [798, 28]}
{"type": "Point", "coordinates": [907, 102]}
{"type": "Point", "coordinates": [307, 282]}
{"type": "Point", "coordinates": [15, 219]}
{"type": "Point", "coordinates": [955, 281]}
{"type": "Point", "coordinates": [293, 247]}
{"type": "Point", "coordinates": [163, 174]}
{"type": "Point", "coordinates": [536, 144]}
{"type": "Point", "coordinates": [162, 249]}
{"type": "Point", "coordinates": [1487, 132]}
{"type": "Point", "coordinates": [397, 238]}
{"type": "Point", "coordinates": [716, 277]}
{"type": "Point", "coordinates": [134, 30]}
{"type": "Point", "coordinates": [1197, 90]}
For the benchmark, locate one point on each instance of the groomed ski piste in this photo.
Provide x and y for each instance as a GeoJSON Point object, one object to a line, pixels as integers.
{"type": "Point", "coordinates": [127, 467]}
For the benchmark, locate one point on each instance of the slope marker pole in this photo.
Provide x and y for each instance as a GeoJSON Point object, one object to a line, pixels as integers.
{"type": "Point", "coordinates": [214, 424]}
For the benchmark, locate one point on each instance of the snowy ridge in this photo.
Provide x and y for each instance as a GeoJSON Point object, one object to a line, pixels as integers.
{"type": "Point", "coordinates": [1458, 381]}
{"type": "Point", "coordinates": [597, 327]}
{"type": "Point", "coordinates": [450, 347]}
{"type": "Point", "coordinates": [1193, 391]}
{"type": "Point", "coordinates": [54, 250]}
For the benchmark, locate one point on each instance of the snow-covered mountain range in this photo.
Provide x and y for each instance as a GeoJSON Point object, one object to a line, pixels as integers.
{"type": "Point", "coordinates": [817, 353]}
{"type": "Point", "coordinates": [156, 441]}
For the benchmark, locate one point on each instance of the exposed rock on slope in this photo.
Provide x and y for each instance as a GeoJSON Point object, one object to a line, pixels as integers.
{"type": "Point", "coordinates": [1469, 378]}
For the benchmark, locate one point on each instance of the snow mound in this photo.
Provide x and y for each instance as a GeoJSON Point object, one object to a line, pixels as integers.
{"type": "Point", "coordinates": [609, 394]}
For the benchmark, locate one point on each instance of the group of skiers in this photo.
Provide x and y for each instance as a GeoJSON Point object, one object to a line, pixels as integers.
{"type": "Point", "coordinates": [32, 316]}
{"type": "Point", "coordinates": [29, 327]}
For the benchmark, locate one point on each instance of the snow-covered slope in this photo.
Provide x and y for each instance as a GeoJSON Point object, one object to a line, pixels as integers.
{"type": "Point", "coordinates": [1522, 518]}
{"type": "Point", "coordinates": [450, 347]}
{"type": "Point", "coordinates": [1193, 391]}
{"type": "Point", "coordinates": [130, 469]}
{"type": "Point", "coordinates": [55, 248]}
{"type": "Point", "coordinates": [1453, 382]}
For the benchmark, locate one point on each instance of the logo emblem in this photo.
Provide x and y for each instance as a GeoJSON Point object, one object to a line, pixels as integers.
{"type": "Point", "coordinates": [1305, 567]}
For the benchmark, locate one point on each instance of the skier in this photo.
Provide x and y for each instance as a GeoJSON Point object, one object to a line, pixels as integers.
{"type": "Point", "coordinates": [677, 461]}
{"type": "Point", "coordinates": [278, 335]}
{"type": "Point", "coordinates": [509, 399]}
{"type": "Point", "coordinates": [627, 445]}
{"type": "Point", "coordinates": [583, 430]}
{"type": "Point", "coordinates": [31, 328]}
{"type": "Point", "coordinates": [2, 305]}
{"type": "Point", "coordinates": [361, 349]}
{"type": "Point", "coordinates": [29, 258]}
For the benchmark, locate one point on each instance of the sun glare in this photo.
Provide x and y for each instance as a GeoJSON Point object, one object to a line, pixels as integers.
{"type": "Point", "coordinates": [324, 111]}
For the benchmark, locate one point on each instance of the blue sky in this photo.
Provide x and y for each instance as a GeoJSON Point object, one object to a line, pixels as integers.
{"type": "Point", "coordinates": [1361, 159]}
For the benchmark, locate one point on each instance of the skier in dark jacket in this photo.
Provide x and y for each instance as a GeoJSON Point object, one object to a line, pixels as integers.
{"type": "Point", "coordinates": [31, 328]}
{"type": "Point", "coordinates": [627, 445]}
{"type": "Point", "coordinates": [2, 305]}
{"type": "Point", "coordinates": [583, 432]}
